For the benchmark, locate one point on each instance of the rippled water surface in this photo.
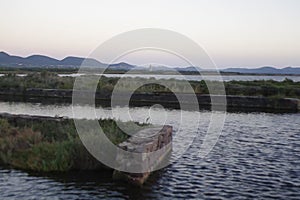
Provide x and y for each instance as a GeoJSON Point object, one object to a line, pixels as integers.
{"type": "Point", "coordinates": [194, 77]}
{"type": "Point", "coordinates": [199, 78]}
{"type": "Point", "coordinates": [256, 156]}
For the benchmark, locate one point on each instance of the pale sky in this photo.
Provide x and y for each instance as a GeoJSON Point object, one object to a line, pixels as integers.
{"type": "Point", "coordinates": [235, 33]}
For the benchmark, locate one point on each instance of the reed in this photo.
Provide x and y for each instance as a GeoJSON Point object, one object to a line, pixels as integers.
{"type": "Point", "coordinates": [51, 145]}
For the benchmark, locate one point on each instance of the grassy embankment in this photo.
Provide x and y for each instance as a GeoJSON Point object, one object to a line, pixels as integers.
{"type": "Point", "coordinates": [50, 145]}
{"type": "Point", "coordinates": [75, 69]}
{"type": "Point", "coordinates": [47, 80]}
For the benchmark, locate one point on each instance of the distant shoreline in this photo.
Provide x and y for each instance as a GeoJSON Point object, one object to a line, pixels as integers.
{"type": "Point", "coordinates": [168, 100]}
{"type": "Point", "coordinates": [72, 71]}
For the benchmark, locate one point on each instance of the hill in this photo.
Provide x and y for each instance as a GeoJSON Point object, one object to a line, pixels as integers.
{"type": "Point", "coordinates": [7, 60]}
{"type": "Point", "coordinates": [265, 70]}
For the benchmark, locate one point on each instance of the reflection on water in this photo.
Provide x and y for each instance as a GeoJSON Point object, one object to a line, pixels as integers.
{"type": "Point", "coordinates": [199, 78]}
{"type": "Point", "coordinates": [192, 77]}
{"type": "Point", "coordinates": [257, 156]}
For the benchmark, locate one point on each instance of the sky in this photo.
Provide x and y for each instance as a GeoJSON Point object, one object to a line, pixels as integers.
{"type": "Point", "coordinates": [234, 33]}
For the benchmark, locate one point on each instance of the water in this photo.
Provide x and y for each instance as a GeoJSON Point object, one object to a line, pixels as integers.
{"type": "Point", "coordinates": [191, 77]}
{"type": "Point", "coordinates": [20, 75]}
{"type": "Point", "coordinates": [199, 78]}
{"type": "Point", "coordinates": [257, 156]}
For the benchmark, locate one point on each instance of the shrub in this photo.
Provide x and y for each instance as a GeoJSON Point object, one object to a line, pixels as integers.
{"type": "Point", "coordinates": [52, 145]}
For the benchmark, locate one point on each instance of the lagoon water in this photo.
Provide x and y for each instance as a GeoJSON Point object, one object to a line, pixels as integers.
{"type": "Point", "coordinates": [199, 78]}
{"type": "Point", "coordinates": [256, 156]}
{"type": "Point", "coordinates": [192, 77]}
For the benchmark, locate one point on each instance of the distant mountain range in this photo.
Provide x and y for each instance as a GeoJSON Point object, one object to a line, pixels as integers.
{"type": "Point", "coordinates": [265, 70]}
{"type": "Point", "coordinates": [7, 60]}
{"type": "Point", "coordinates": [40, 60]}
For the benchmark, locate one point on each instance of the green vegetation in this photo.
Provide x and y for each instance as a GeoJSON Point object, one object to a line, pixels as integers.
{"type": "Point", "coordinates": [50, 145]}
{"type": "Point", "coordinates": [270, 88]}
{"type": "Point", "coordinates": [49, 80]}
{"type": "Point", "coordinates": [266, 88]}
{"type": "Point", "coordinates": [74, 69]}
{"type": "Point", "coordinates": [35, 80]}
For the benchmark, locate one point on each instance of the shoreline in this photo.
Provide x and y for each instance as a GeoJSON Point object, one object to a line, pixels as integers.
{"type": "Point", "coordinates": [16, 70]}
{"type": "Point", "coordinates": [48, 144]}
{"type": "Point", "coordinates": [19, 144]}
{"type": "Point", "coordinates": [234, 103]}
